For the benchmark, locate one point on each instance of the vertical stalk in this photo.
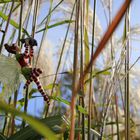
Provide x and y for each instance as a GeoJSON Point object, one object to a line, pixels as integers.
{"type": "Point", "coordinates": [112, 58]}
{"type": "Point", "coordinates": [127, 99]}
{"type": "Point", "coordinates": [91, 69]}
{"type": "Point", "coordinates": [20, 22]}
{"type": "Point", "coordinates": [112, 118]}
{"type": "Point", "coordinates": [7, 25]}
{"type": "Point", "coordinates": [75, 73]}
{"type": "Point", "coordinates": [5, 120]}
{"type": "Point", "coordinates": [11, 132]}
{"type": "Point", "coordinates": [61, 54]}
{"type": "Point", "coordinates": [45, 31]}
{"type": "Point", "coordinates": [35, 17]}
{"type": "Point", "coordinates": [81, 98]}
{"type": "Point", "coordinates": [117, 118]}
{"type": "Point", "coordinates": [26, 21]}
{"type": "Point", "coordinates": [110, 19]}
{"type": "Point", "coordinates": [42, 40]}
{"type": "Point", "coordinates": [33, 33]}
{"type": "Point", "coordinates": [25, 105]}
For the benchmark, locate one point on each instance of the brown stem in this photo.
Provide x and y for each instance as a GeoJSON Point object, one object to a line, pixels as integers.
{"type": "Point", "coordinates": [75, 73]}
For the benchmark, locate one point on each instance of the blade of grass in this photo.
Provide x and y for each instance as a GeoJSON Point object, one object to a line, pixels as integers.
{"type": "Point", "coordinates": [36, 124]}
{"type": "Point", "coordinates": [28, 133]}
{"type": "Point", "coordinates": [50, 13]}
{"type": "Point", "coordinates": [94, 74]}
{"type": "Point", "coordinates": [62, 50]}
{"type": "Point", "coordinates": [55, 25]}
{"type": "Point", "coordinates": [12, 22]}
{"type": "Point", "coordinates": [6, 1]}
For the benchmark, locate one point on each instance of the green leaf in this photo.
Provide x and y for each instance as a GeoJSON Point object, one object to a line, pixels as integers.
{"type": "Point", "coordinates": [87, 51]}
{"type": "Point", "coordinates": [103, 72]}
{"type": "Point", "coordinates": [50, 86]}
{"type": "Point", "coordinates": [28, 133]}
{"type": "Point", "coordinates": [36, 124]}
{"type": "Point", "coordinates": [79, 108]}
{"type": "Point", "coordinates": [60, 100]}
{"type": "Point", "coordinates": [56, 24]}
{"type": "Point", "coordinates": [6, 1]}
{"type": "Point", "coordinates": [13, 23]}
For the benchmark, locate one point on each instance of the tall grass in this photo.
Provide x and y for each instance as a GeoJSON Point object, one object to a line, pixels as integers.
{"type": "Point", "coordinates": [88, 98]}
